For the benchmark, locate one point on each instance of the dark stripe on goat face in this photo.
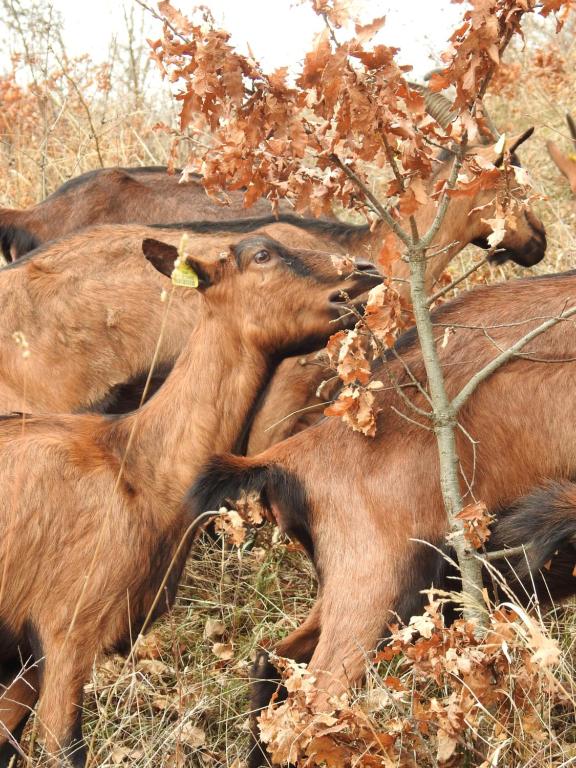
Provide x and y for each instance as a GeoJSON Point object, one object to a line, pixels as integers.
{"type": "Point", "coordinates": [12, 417]}
{"type": "Point", "coordinates": [288, 256]}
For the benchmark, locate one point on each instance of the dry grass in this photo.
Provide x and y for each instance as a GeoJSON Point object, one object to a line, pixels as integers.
{"type": "Point", "coordinates": [182, 699]}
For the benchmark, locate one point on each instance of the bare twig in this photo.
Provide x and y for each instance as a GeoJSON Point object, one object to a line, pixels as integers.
{"type": "Point", "coordinates": [504, 356]}
{"type": "Point", "coordinates": [374, 202]}
{"type": "Point", "coordinates": [500, 554]}
{"type": "Point", "coordinates": [412, 421]}
{"type": "Point", "coordinates": [445, 200]}
{"type": "Point", "coordinates": [454, 283]}
{"type": "Point", "coordinates": [162, 19]}
{"type": "Point", "coordinates": [85, 107]}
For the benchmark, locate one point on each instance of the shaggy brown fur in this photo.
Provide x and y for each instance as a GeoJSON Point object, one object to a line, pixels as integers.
{"type": "Point", "coordinates": [117, 195]}
{"type": "Point", "coordinates": [92, 510]}
{"type": "Point", "coordinates": [544, 522]}
{"type": "Point", "coordinates": [356, 503]}
{"type": "Point", "coordinates": [296, 382]}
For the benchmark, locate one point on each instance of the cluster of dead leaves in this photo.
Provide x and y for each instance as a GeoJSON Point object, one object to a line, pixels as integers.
{"type": "Point", "coordinates": [350, 105]}
{"type": "Point", "coordinates": [351, 353]}
{"type": "Point", "coordinates": [476, 520]}
{"type": "Point", "coordinates": [235, 523]}
{"type": "Point", "coordinates": [507, 670]}
{"type": "Point", "coordinates": [22, 104]}
{"type": "Point", "coordinates": [432, 709]}
{"type": "Point", "coordinates": [476, 47]}
{"type": "Point", "coordinates": [278, 137]}
{"type": "Point", "coordinates": [296, 733]}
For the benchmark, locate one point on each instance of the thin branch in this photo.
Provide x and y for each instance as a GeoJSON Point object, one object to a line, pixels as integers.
{"type": "Point", "coordinates": [439, 146]}
{"type": "Point", "coordinates": [162, 19]}
{"type": "Point", "coordinates": [313, 407]}
{"type": "Point", "coordinates": [500, 554]}
{"type": "Point", "coordinates": [330, 30]}
{"type": "Point", "coordinates": [490, 74]}
{"type": "Point", "coordinates": [392, 160]}
{"type": "Point", "coordinates": [532, 359]}
{"type": "Point", "coordinates": [397, 388]}
{"type": "Point", "coordinates": [437, 250]}
{"type": "Point", "coordinates": [412, 421]}
{"type": "Point", "coordinates": [413, 378]}
{"type": "Point", "coordinates": [454, 283]}
{"type": "Point", "coordinates": [513, 324]}
{"type": "Point", "coordinates": [445, 200]}
{"type": "Point", "coordinates": [84, 104]}
{"type": "Point", "coordinates": [379, 209]}
{"type": "Point", "coordinates": [473, 443]}
{"type": "Point", "coordinates": [504, 356]}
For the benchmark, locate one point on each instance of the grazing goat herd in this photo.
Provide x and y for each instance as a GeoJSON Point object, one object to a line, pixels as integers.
{"type": "Point", "coordinates": [100, 495]}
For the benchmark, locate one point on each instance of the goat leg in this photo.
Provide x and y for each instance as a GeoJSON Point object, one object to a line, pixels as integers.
{"type": "Point", "coordinates": [16, 704]}
{"type": "Point", "coordinates": [299, 645]}
{"type": "Point", "coordinates": [65, 670]}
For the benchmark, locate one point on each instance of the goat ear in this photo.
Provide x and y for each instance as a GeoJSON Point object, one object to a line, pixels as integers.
{"type": "Point", "coordinates": [520, 138]}
{"type": "Point", "coordinates": [505, 144]}
{"type": "Point", "coordinates": [161, 255]}
{"type": "Point", "coordinates": [571, 126]}
{"type": "Point", "coordinates": [566, 165]}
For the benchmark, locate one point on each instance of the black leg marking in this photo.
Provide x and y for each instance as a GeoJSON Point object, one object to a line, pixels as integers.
{"type": "Point", "coordinates": [265, 683]}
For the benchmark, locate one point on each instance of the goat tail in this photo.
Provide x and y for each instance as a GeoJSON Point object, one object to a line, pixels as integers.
{"type": "Point", "coordinates": [544, 522]}
{"type": "Point", "coordinates": [224, 479]}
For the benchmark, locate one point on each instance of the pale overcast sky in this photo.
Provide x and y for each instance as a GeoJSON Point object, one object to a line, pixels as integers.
{"type": "Point", "coordinates": [278, 31]}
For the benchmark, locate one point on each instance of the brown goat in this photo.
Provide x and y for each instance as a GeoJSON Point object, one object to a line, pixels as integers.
{"type": "Point", "coordinates": [357, 504]}
{"type": "Point", "coordinates": [146, 195]}
{"type": "Point", "coordinates": [89, 308]}
{"type": "Point", "coordinates": [290, 404]}
{"type": "Point", "coordinates": [93, 518]}
{"type": "Point", "coordinates": [99, 359]}
{"type": "Point", "coordinates": [565, 163]}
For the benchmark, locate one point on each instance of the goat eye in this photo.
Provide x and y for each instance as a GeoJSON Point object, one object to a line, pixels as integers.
{"type": "Point", "coordinates": [262, 257]}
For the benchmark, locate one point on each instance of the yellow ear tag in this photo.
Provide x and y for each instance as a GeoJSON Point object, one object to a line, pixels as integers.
{"type": "Point", "coordinates": [183, 275]}
{"type": "Point", "coordinates": [572, 157]}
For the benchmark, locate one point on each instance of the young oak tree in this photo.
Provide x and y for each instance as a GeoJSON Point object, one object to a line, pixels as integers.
{"type": "Point", "coordinates": [350, 114]}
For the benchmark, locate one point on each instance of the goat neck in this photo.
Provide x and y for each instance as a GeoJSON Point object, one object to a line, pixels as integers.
{"type": "Point", "coordinates": [201, 408]}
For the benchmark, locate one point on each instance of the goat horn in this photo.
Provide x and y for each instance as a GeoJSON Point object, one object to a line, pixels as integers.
{"type": "Point", "coordinates": [571, 125]}
{"type": "Point", "coordinates": [495, 133]}
{"type": "Point", "coordinates": [437, 105]}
